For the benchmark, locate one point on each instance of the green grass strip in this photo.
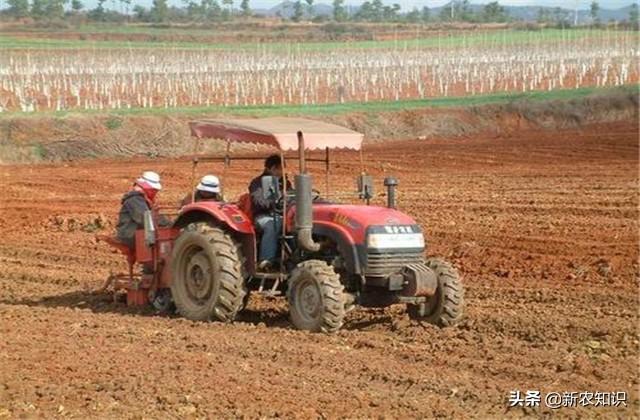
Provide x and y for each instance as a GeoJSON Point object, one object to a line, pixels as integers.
{"type": "Point", "coordinates": [347, 108]}
{"type": "Point", "coordinates": [434, 40]}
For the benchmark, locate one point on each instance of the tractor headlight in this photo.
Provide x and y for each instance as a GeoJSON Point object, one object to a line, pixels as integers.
{"type": "Point", "coordinates": [395, 240]}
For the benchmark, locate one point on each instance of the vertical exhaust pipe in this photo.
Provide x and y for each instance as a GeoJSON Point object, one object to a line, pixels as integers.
{"type": "Point", "coordinates": [391, 183]}
{"type": "Point", "coordinates": [304, 203]}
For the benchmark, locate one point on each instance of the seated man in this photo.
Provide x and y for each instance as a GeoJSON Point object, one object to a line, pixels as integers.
{"type": "Point", "coordinates": [265, 215]}
{"type": "Point", "coordinates": [134, 204]}
{"type": "Point", "coordinates": [207, 190]}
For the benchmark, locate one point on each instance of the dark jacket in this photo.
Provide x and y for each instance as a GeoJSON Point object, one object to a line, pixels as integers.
{"type": "Point", "coordinates": [131, 217]}
{"type": "Point", "coordinates": [260, 205]}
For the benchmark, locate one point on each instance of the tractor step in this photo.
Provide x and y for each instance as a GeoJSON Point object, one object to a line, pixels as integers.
{"type": "Point", "coordinates": [268, 293]}
{"type": "Point", "coordinates": [268, 276]}
{"type": "Point", "coordinates": [265, 290]}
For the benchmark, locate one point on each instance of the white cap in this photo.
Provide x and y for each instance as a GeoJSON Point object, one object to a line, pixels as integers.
{"type": "Point", "coordinates": [209, 183]}
{"type": "Point", "coordinates": [151, 178]}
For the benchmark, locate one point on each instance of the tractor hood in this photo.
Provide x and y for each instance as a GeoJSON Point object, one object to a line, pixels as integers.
{"type": "Point", "coordinates": [353, 220]}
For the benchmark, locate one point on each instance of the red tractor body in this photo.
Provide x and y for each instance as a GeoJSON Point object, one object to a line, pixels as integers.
{"type": "Point", "coordinates": [351, 221]}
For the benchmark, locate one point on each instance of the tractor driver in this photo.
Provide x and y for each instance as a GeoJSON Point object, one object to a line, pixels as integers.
{"type": "Point", "coordinates": [207, 190]}
{"type": "Point", "coordinates": [265, 215]}
{"type": "Point", "coordinates": [134, 204]}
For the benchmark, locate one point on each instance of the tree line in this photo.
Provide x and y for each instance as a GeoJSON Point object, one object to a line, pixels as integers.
{"type": "Point", "coordinates": [213, 10]}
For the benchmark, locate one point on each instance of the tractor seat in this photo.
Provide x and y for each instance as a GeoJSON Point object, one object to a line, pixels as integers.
{"type": "Point", "coordinates": [244, 204]}
{"type": "Point", "coordinates": [119, 247]}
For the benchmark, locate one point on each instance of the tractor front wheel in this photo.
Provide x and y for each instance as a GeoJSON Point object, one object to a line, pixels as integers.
{"type": "Point", "coordinates": [316, 297]}
{"type": "Point", "coordinates": [208, 281]}
{"type": "Point", "coordinates": [446, 307]}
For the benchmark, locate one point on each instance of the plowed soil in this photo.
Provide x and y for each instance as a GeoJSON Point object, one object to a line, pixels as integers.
{"type": "Point", "coordinates": [542, 224]}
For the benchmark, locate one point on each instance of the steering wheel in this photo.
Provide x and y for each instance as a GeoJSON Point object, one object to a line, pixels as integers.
{"type": "Point", "coordinates": [279, 206]}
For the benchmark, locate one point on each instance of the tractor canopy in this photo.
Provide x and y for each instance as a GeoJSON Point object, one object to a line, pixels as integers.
{"type": "Point", "coordinates": [280, 132]}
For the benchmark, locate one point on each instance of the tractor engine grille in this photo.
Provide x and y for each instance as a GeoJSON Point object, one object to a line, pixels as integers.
{"type": "Point", "coordinates": [383, 264]}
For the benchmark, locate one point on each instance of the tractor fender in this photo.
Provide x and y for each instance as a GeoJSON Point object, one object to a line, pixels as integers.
{"type": "Point", "coordinates": [347, 247]}
{"type": "Point", "coordinates": [227, 214]}
{"type": "Point", "coordinates": [230, 217]}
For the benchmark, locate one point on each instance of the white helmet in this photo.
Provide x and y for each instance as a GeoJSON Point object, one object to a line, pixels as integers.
{"type": "Point", "coordinates": [209, 183]}
{"type": "Point", "coordinates": [150, 178]}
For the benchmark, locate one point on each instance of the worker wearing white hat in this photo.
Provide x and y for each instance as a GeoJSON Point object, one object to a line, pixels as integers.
{"type": "Point", "coordinates": [208, 189]}
{"type": "Point", "coordinates": [210, 184]}
{"type": "Point", "coordinates": [150, 178]}
{"type": "Point", "coordinates": [135, 203]}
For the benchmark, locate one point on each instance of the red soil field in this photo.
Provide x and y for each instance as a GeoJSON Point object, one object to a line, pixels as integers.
{"type": "Point", "coordinates": [542, 224]}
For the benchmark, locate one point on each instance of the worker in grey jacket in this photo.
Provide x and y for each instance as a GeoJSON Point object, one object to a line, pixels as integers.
{"type": "Point", "coordinates": [134, 204]}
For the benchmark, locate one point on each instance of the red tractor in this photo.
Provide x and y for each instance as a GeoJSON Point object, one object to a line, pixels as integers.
{"type": "Point", "coordinates": [333, 256]}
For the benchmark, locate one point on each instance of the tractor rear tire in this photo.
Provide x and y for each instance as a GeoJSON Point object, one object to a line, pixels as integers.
{"type": "Point", "coordinates": [446, 307]}
{"type": "Point", "coordinates": [316, 297]}
{"type": "Point", "coordinates": [208, 276]}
